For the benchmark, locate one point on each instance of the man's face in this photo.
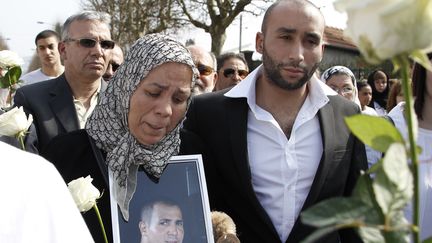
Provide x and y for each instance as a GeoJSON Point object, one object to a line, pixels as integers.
{"type": "Point", "coordinates": [291, 45]}
{"type": "Point", "coordinates": [114, 63]}
{"type": "Point", "coordinates": [166, 225]}
{"type": "Point", "coordinates": [81, 61]}
{"type": "Point", "coordinates": [47, 51]}
{"type": "Point", "coordinates": [231, 73]}
{"type": "Point", "coordinates": [207, 78]}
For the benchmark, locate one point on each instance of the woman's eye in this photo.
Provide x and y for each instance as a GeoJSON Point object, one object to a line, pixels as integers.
{"type": "Point", "coordinates": [152, 94]}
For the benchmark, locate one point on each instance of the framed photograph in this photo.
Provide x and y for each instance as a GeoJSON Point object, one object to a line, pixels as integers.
{"type": "Point", "coordinates": [173, 209]}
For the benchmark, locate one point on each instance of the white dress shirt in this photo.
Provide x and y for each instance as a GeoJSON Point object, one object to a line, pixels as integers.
{"type": "Point", "coordinates": [36, 205]}
{"type": "Point", "coordinates": [283, 169]}
{"type": "Point", "coordinates": [82, 113]}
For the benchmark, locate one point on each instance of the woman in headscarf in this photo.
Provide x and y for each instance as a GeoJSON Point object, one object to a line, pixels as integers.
{"type": "Point", "coordinates": [342, 80]}
{"type": "Point", "coordinates": [378, 80]}
{"type": "Point", "coordinates": [135, 124]}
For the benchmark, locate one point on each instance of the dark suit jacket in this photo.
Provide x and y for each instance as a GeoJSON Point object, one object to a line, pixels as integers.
{"type": "Point", "coordinates": [51, 104]}
{"type": "Point", "coordinates": [221, 123]}
{"type": "Point", "coordinates": [75, 155]}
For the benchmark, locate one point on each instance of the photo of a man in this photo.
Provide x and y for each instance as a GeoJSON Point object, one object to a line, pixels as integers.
{"type": "Point", "coordinates": [161, 221]}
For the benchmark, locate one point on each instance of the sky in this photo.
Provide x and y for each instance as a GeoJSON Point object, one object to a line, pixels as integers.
{"type": "Point", "coordinates": [19, 24]}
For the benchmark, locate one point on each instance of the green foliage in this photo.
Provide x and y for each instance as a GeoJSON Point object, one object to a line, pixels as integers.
{"type": "Point", "coordinates": [376, 206]}
{"type": "Point", "coordinates": [376, 132]}
{"type": "Point", "coordinates": [11, 77]}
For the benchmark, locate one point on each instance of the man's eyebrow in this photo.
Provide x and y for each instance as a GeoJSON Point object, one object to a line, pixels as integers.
{"type": "Point", "coordinates": [314, 35]}
{"type": "Point", "coordinates": [282, 30]}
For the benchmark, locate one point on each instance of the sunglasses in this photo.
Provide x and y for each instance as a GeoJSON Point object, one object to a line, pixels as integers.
{"type": "Point", "coordinates": [114, 66]}
{"type": "Point", "coordinates": [229, 72]}
{"type": "Point", "coordinates": [204, 70]}
{"type": "Point", "coordinates": [90, 43]}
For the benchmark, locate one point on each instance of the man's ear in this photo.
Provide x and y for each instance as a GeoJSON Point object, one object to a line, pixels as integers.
{"type": "Point", "coordinates": [62, 49]}
{"type": "Point", "coordinates": [259, 42]}
{"type": "Point", "coordinates": [143, 227]}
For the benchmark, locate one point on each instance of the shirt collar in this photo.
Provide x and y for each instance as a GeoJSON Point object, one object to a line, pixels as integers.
{"type": "Point", "coordinates": [318, 91]}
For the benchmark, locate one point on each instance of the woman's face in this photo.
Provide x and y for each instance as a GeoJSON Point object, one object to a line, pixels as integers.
{"type": "Point", "coordinates": [365, 95]}
{"type": "Point", "coordinates": [380, 81]}
{"type": "Point", "coordinates": [342, 84]}
{"type": "Point", "coordinates": [159, 102]}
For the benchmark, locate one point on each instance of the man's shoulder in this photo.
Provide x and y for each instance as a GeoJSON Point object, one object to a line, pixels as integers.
{"type": "Point", "coordinates": [342, 105]}
{"type": "Point", "coordinates": [39, 87]}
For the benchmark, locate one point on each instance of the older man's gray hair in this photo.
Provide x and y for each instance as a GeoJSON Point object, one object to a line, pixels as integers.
{"type": "Point", "coordinates": [85, 15]}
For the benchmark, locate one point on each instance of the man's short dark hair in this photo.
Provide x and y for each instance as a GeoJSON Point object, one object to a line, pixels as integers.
{"type": "Point", "coordinates": [46, 34]}
{"type": "Point", "coordinates": [147, 209]}
{"type": "Point", "coordinates": [229, 55]}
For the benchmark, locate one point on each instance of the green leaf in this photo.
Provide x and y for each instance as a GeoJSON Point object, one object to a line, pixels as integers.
{"type": "Point", "coordinates": [334, 211]}
{"type": "Point", "coordinates": [11, 77]}
{"type": "Point", "coordinates": [428, 240]}
{"type": "Point", "coordinates": [421, 58]}
{"type": "Point", "coordinates": [393, 183]}
{"type": "Point", "coordinates": [370, 235]}
{"type": "Point", "coordinates": [376, 132]}
{"type": "Point", "coordinates": [317, 234]}
{"type": "Point", "coordinates": [363, 190]}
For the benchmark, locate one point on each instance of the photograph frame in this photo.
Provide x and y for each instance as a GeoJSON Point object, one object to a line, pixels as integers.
{"type": "Point", "coordinates": [183, 182]}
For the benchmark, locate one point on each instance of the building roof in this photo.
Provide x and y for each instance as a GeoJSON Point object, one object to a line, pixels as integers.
{"type": "Point", "coordinates": [334, 37]}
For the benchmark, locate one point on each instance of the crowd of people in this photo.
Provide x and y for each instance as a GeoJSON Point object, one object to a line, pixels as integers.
{"type": "Point", "coordinates": [273, 140]}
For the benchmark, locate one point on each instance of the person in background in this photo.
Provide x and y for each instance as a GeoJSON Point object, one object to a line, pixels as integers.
{"type": "Point", "coordinates": [422, 90]}
{"type": "Point", "coordinates": [37, 206]}
{"type": "Point", "coordinates": [114, 63]}
{"type": "Point", "coordinates": [136, 125]}
{"type": "Point", "coordinates": [276, 143]}
{"type": "Point", "coordinates": [161, 221]}
{"type": "Point", "coordinates": [395, 95]}
{"type": "Point", "coordinates": [63, 104]}
{"type": "Point", "coordinates": [365, 97]}
{"type": "Point", "coordinates": [47, 51]}
{"type": "Point", "coordinates": [342, 80]}
{"type": "Point", "coordinates": [232, 68]}
{"type": "Point", "coordinates": [378, 80]}
{"type": "Point", "coordinates": [206, 63]}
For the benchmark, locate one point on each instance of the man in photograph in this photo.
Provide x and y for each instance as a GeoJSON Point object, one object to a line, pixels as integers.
{"type": "Point", "coordinates": [161, 221]}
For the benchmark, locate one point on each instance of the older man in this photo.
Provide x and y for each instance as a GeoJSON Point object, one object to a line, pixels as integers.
{"type": "Point", "coordinates": [206, 64]}
{"type": "Point", "coordinates": [63, 104]}
{"type": "Point", "coordinates": [276, 143]}
{"type": "Point", "coordinates": [115, 62]}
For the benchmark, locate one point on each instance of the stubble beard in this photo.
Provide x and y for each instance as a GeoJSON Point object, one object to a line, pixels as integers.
{"type": "Point", "coordinates": [272, 72]}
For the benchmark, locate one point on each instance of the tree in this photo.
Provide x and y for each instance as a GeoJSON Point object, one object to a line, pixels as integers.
{"type": "Point", "coordinates": [132, 19]}
{"type": "Point", "coordinates": [221, 14]}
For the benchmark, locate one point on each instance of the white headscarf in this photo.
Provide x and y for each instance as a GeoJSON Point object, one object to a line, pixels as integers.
{"type": "Point", "coordinates": [327, 74]}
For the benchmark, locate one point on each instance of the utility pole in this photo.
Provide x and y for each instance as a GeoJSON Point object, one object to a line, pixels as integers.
{"type": "Point", "coordinates": [240, 34]}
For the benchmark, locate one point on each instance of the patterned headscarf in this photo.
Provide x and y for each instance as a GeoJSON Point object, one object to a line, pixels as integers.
{"type": "Point", "coordinates": [108, 124]}
{"type": "Point", "coordinates": [327, 74]}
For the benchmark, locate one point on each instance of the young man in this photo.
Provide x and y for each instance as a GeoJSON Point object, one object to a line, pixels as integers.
{"type": "Point", "coordinates": [161, 221]}
{"type": "Point", "coordinates": [47, 51]}
{"type": "Point", "coordinates": [277, 143]}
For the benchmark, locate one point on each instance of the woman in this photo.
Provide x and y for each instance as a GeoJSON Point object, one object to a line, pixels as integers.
{"type": "Point", "coordinates": [378, 80]}
{"type": "Point", "coordinates": [395, 95]}
{"type": "Point", "coordinates": [135, 124]}
{"type": "Point", "coordinates": [422, 88]}
{"type": "Point", "coordinates": [365, 97]}
{"type": "Point", "coordinates": [342, 80]}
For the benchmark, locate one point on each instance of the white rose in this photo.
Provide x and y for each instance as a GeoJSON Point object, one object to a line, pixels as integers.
{"type": "Point", "coordinates": [15, 122]}
{"type": "Point", "coordinates": [9, 59]}
{"type": "Point", "coordinates": [383, 29]}
{"type": "Point", "coordinates": [84, 193]}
